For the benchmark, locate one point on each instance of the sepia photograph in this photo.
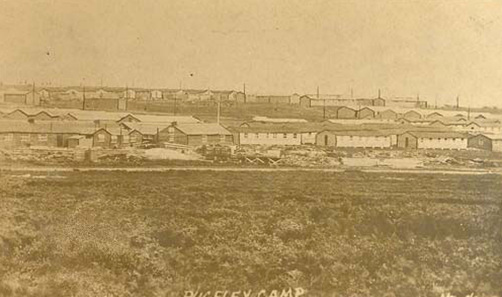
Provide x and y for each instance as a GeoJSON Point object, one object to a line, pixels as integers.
{"type": "Point", "coordinates": [250, 148]}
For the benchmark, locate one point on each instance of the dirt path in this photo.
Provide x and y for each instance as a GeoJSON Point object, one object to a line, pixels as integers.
{"type": "Point", "coordinates": [244, 169]}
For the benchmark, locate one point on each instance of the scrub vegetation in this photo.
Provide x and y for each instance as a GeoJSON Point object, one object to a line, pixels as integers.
{"type": "Point", "coordinates": [334, 234]}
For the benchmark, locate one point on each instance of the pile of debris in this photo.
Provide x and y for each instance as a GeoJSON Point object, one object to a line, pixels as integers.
{"type": "Point", "coordinates": [45, 156]}
{"type": "Point", "coordinates": [310, 158]}
{"type": "Point", "coordinates": [121, 158]}
{"type": "Point", "coordinates": [310, 161]}
{"type": "Point", "coordinates": [443, 160]}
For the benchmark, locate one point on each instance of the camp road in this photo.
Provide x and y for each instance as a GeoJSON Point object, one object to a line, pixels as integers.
{"type": "Point", "coordinates": [246, 169]}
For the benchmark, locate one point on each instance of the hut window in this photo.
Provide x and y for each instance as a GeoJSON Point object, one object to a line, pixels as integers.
{"type": "Point", "coordinates": [222, 138]}
{"type": "Point", "coordinates": [245, 135]}
{"type": "Point", "coordinates": [42, 137]}
{"type": "Point", "coordinates": [481, 142]}
{"type": "Point", "coordinates": [125, 138]}
{"type": "Point", "coordinates": [9, 137]}
{"type": "Point", "coordinates": [204, 138]}
{"type": "Point", "coordinates": [25, 137]}
{"type": "Point", "coordinates": [101, 138]}
{"type": "Point", "coordinates": [114, 139]}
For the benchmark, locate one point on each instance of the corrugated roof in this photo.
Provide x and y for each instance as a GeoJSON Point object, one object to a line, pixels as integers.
{"type": "Point", "coordinates": [165, 118]}
{"type": "Point", "coordinates": [255, 127]}
{"type": "Point", "coordinates": [47, 127]}
{"type": "Point", "coordinates": [259, 127]}
{"type": "Point", "coordinates": [364, 132]}
{"type": "Point", "coordinates": [203, 129]}
{"type": "Point", "coordinates": [492, 136]}
{"type": "Point", "coordinates": [438, 134]}
{"type": "Point", "coordinates": [146, 128]}
{"type": "Point", "coordinates": [485, 123]}
{"type": "Point", "coordinates": [97, 115]}
{"type": "Point", "coordinates": [277, 120]}
{"type": "Point", "coordinates": [115, 130]}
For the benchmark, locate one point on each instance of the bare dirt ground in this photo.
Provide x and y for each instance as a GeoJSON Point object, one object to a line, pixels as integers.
{"type": "Point", "coordinates": [497, 171]}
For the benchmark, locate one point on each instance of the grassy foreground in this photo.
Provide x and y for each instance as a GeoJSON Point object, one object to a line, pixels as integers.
{"type": "Point", "coordinates": [333, 234]}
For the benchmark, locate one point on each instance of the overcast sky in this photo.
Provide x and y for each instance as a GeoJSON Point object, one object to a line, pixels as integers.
{"type": "Point", "coordinates": [436, 48]}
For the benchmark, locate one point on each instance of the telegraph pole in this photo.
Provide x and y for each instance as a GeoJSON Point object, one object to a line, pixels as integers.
{"type": "Point", "coordinates": [218, 112]}
{"type": "Point", "coordinates": [127, 97]}
{"type": "Point", "coordinates": [83, 98]}
{"type": "Point", "coordinates": [33, 95]}
{"type": "Point", "coordinates": [324, 109]}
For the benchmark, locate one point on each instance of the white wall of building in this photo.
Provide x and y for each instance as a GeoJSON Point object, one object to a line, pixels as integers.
{"type": "Point", "coordinates": [308, 138]}
{"type": "Point", "coordinates": [497, 145]}
{"type": "Point", "coordinates": [271, 138]}
{"type": "Point", "coordinates": [442, 143]}
{"type": "Point", "coordinates": [363, 141]}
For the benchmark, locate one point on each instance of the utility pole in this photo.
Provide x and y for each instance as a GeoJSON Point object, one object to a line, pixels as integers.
{"type": "Point", "coordinates": [244, 90]}
{"type": "Point", "coordinates": [324, 109]}
{"type": "Point", "coordinates": [126, 97]}
{"type": "Point", "coordinates": [379, 94]}
{"type": "Point", "coordinates": [458, 101]}
{"type": "Point", "coordinates": [218, 112]}
{"type": "Point", "coordinates": [469, 112]}
{"type": "Point", "coordinates": [83, 97]}
{"type": "Point", "coordinates": [33, 95]}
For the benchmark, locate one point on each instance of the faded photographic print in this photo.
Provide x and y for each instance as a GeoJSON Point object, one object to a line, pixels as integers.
{"type": "Point", "coordinates": [279, 148]}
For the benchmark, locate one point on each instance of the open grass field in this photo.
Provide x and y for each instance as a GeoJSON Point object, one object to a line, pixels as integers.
{"type": "Point", "coordinates": [333, 234]}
